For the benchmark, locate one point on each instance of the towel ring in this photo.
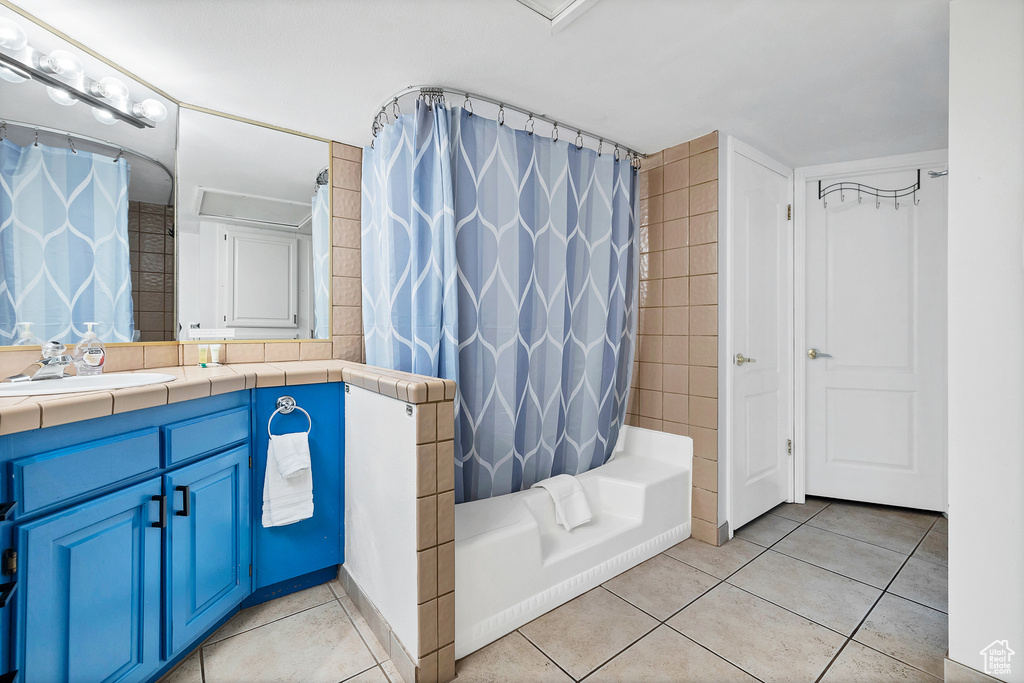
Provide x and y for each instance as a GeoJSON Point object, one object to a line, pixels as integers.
{"type": "Point", "coordinates": [285, 405]}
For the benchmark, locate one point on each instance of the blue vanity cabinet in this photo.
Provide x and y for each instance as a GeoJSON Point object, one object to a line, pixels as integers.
{"type": "Point", "coordinates": [89, 602]}
{"type": "Point", "coordinates": [207, 544]}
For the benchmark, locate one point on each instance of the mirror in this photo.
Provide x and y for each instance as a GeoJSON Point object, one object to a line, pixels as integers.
{"type": "Point", "coordinates": [254, 230]}
{"type": "Point", "coordinates": [86, 197]}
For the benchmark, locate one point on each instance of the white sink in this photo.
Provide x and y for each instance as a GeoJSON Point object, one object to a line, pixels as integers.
{"type": "Point", "coordinates": [69, 385]}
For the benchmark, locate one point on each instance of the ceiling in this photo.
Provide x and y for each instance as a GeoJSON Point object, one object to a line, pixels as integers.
{"type": "Point", "coordinates": [805, 81]}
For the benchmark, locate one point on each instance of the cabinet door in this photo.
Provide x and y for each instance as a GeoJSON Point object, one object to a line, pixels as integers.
{"type": "Point", "coordinates": [89, 608]}
{"type": "Point", "coordinates": [208, 544]}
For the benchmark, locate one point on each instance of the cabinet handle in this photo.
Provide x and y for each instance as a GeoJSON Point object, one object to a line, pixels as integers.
{"type": "Point", "coordinates": [162, 522]}
{"type": "Point", "coordinates": [186, 501]}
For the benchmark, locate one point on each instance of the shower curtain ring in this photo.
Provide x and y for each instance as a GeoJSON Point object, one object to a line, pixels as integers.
{"type": "Point", "coordinates": [37, 138]}
{"type": "Point", "coordinates": [579, 139]}
{"type": "Point", "coordinates": [396, 111]}
{"type": "Point", "coordinates": [467, 105]}
{"type": "Point", "coordinates": [71, 144]}
{"type": "Point", "coordinates": [618, 156]}
{"type": "Point", "coordinates": [600, 144]}
{"type": "Point", "coordinates": [3, 130]}
{"type": "Point", "coordinates": [501, 114]}
{"type": "Point", "coordinates": [554, 132]}
{"type": "Point", "coordinates": [531, 124]}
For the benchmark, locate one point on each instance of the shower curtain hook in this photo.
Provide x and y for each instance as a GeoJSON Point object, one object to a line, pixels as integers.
{"type": "Point", "coordinates": [396, 111]}
{"type": "Point", "coordinates": [859, 198]}
{"type": "Point", "coordinates": [3, 130]}
{"type": "Point", "coordinates": [618, 156]}
{"type": "Point", "coordinates": [896, 201]}
{"type": "Point", "coordinates": [579, 139]}
{"type": "Point", "coordinates": [71, 144]}
{"type": "Point", "coordinates": [531, 124]}
{"type": "Point", "coordinates": [467, 105]}
{"type": "Point", "coordinates": [120, 155]}
{"type": "Point", "coordinates": [600, 144]}
{"type": "Point", "coordinates": [37, 138]}
{"type": "Point", "coordinates": [501, 114]}
{"type": "Point", "coordinates": [878, 202]}
{"type": "Point", "coordinates": [554, 132]}
{"type": "Point", "coordinates": [916, 200]}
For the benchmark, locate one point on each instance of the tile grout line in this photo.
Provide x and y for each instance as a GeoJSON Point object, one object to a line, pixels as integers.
{"type": "Point", "coordinates": [538, 648]}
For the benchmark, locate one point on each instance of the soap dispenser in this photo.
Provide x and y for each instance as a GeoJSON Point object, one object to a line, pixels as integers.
{"type": "Point", "coordinates": [89, 354]}
{"type": "Point", "coordinates": [25, 336]}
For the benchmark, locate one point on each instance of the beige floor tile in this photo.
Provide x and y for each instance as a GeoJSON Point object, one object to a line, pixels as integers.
{"type": "Point", "coordinates": [934, 548]}
{"type": "Point", "coordinates": [868, 527]}
{"type": "Point", "coordinates": [720, 561]}
{"type": "Point", "coordinates": [907, 631]}
{"type": "Point", "coordinates": [664, 655]}
{"type": "Point", "coordinates": [801, 512]}
{"type": "Point", "coordinates": [336, 588]}
{"type": "Point", "coordinates": [374, 675]}
{"type": "Point", "coordinates": [272, 611]}
{"type": "Point", "coordinates": [189, 671]}
{"type": "Point", "coordinates": [391, 671]}
{"type": "Point", "coordinates": [510, 656]}
{"type": "Point", "coordinates": [916, 518]}
{"type": "Point", "coordinates": [842, 554]}
{"type": "Point", "coordinates": [661, 586]}
{"type": "Point", "coordinates": [378, 651]}
{"type": "Point", "coordinates": [761, 638]}
{"type": "Point", "coordinates": [319, 644]}
{"type": "Point", "coordinates": [859, 663]}
{"type": "Point", "coordinates": [766, 530]}
{"type": "Point", "coordinates": [941, 525]}
{"type": "Point", "coordinates": [818, 594]}
{"type": "Point", "coordinates": [584, 633]}
{"type": "Point", "coordinates": [923, 582]}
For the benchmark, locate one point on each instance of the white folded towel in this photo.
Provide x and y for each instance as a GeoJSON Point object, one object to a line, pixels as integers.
{"type": "Point", "coordinates": [291, 452]}
{"type": "Point", "coordinates": [286, 501]}
{"type": "Point", "coordinates": [571, 508]}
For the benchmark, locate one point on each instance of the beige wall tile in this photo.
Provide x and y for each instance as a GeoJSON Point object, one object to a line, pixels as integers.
{"type": "Point", "coordinates": [676, 320]}
{"type": "Point", "coordinates": [348, 347]}
{"type": "Point", "coordinates": [446, 619]}
{"type": "Point", "coordinates": [649, 423]}
{"type": "Point", "coordinates": [428, 627]}
{"type": "Point", "coordinates": [705, 442]}
{"type": "Point", "coordinates": [704, 320]}
{"type": "Point", "coordinates": [705, 474]}
{"type": "Point", "coordinates": [281, 351]}
{"type": "Point", "coordinates": [426, 469]}
{"type": "Point", "coordinates": [704, 228]}
{"type": "Point", "coordinates": [426, 423]}
{"type": "Point", "coordinates": [346, 262]}
{"type": "Point", "coordinates": [650, 376]}
{"type": "Point", "coordinates": [651, 266]}
{"type": "Point", "coordinates": [704, 167]}
{"type": "Point", "coordinates": [704, 531]}
{"type": "Point", "coordinates": [346, 233]}
{"type": "Point", "coordinates": [653, 160]}
{"type": "Point", "coordinates": [649, 349]}
{"type": "Point", "coordinates": [677, 175]}
{"type": "Point", "coordinates": [343, 151]}
{"type": "Point", "coordinates": [651, 210]}
{"type": "Point", "coordinates": [426, 522]}
{"type": "Point", "coordinates": [675, 379]}
{"type": "Point", "coordinates": [675, 428]}
{"type": "Point", "coordinates": [704, 259]}
{"type": "Point", "coordinates": [703, 351]}
{"type": "Point", "coordinates": [676, 262]}
{"type": "Point", "coordinates": [677, 204]}
{"type": "Point", "coordinates": [347, 291]}
{"type": "Point", "coordinates": [680, 151]}
{"type": "Point", "coordinates": [446, 664]}
{"type": "Point", "coordinates": [650, 403]}
{"type": "Point", "coordinates": [162, 356]}
{"type": "Point", "coordinates": [704, 381]}
{"type": "Point", "coordinates": [704, 143]}
{"type": "Point", "coordinates": [653, 179]}
{"type": "Point", "coordinates": [704, 412]}
{"type": "Point", "coordinates": [445, 420]}
{"type": "Point", "coordinates": [705, 505]}
{"type": "Point", "coordinates": [119, 359]}
{"type": "Point", "coordinates": [426, 575]}
{"type": "Point", "coordinates": [676, 292]}
{"type": "Point", "coordinates": [651, 293]}
{"type": "Point", "coordinates": [703, 198]}
{"type": "Point", "coordinates": [446, 517]}
{"type": "Point", "coordinates": [446, 568]}
{"type": "Point", "coordinates": [244, 353]}
{"type": "Point", "coordinates": [346, 174]}
{"type": "Point", "coordinates": [435, 392]}
{"type": "Point", "coordinates": [317, 350]}
{"type": "Point", "coordinates": [677, 233]}
{"type": "Point", "coordinates": [445, 466]}
{"type": "Point", "coordinates": [675, 408]}
{"type": "Point", "coordinates": [676, 350]}
{"type": "Point", "coordinates": [703, 289]}
{"type": "Point", "coordinates": [347, 320]}
{"type": "Point", "coordinates": [345, 203]}
{"type": "Point", "coordinates": [650, 321]}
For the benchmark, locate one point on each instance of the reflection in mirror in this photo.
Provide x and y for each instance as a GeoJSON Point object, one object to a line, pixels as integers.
{"type": "Point", "coordinates": [86, 217]}
{"type": "Point", "coordinates": [253, 225]}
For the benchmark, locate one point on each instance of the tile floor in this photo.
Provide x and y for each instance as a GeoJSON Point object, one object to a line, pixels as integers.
{"type": "Point", "coordinates": [827, 591]}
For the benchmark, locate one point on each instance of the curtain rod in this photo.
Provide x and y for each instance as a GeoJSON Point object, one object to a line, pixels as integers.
{"type": "Point", "coordinates": [95, 141]}
{"type": "Point", "coordinates": [439, 90]}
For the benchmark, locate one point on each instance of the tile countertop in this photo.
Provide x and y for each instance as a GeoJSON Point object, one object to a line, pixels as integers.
{"type": "Point", "coordinates": [20, 414]}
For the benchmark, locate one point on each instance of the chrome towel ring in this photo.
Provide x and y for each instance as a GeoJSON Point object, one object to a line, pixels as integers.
{"type": "Point", "coordinates": [285, 405]}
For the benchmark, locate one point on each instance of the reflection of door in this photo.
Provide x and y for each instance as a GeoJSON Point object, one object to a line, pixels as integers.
{"type": "Point", "coordinates": [760, 264]}
{"type": "Point", "coordinates": [260, 286]}
{"type": "Point", "coordinates": [875, 282]}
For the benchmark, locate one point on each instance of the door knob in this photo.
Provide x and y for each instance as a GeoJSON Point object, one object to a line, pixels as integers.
{"type": "Point", "coordinates": [815, 353]}
{"type": "Point", "coordinates": [741, 359]}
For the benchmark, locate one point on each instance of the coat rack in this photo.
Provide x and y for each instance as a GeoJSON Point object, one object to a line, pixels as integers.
{"type": "Point", "coordinates": [862, 190]}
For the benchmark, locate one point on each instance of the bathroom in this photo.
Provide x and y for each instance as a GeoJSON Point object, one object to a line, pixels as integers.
{"type": "Point", "coordinates": [250, 162]}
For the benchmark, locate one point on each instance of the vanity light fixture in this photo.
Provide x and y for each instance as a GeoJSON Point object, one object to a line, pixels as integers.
{"type": "Point", "coordinates": [64, 75]}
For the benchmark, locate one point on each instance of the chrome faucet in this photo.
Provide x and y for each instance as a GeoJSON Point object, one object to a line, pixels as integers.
{"type": "Point", "coordinates": [51, 366]}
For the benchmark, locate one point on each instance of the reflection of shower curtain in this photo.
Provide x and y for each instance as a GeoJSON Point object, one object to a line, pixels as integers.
{"type": "Point", "coordinates": [321, 264]}
{"type": "Point", "coordinates": [64, 244]}
{"type": "Point", "coordinates": [546, 264]}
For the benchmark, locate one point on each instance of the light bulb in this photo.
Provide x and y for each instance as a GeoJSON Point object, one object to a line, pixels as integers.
{"type": "Point", "coordinates": [104, 116]}
{"type": "Point", "coordinates": [61, 96]}
{"type": "Point", "coordinates": [12, 76]}
{"type": "Point", "coordinates": [151, 109]}
{"type": "Point", "coordinates": [12, 36]}
{"type": "Point", "coordinates": [113, 89]}
{"type": "Point", "coordinates": [62, 63]}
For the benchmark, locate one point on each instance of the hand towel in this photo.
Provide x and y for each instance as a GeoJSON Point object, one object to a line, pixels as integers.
{"type": "Point", "coordinates": [286, 501]}
{"type": "Point", "coordinates": [291, 452]}
{"type": "Point", "coordinates": [571, 508]}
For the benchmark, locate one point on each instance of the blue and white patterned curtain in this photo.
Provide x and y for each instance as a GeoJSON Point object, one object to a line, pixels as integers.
{"type": "Point", "coordinates": [321, 225]}
{"type": "Point", "coordinates": [545, 256]}
{"type": "Point", "coordinates": [408, 247]}
{"type": "Point", "coordinates": [64, 256]}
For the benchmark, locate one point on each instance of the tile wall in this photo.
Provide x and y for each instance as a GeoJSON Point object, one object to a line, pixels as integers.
{"type": "Point", "coordinates": [347, 314]}
{"type": "Point", "coordinates": [151, 244]}
{"type": "Point", "coordinates": [675, 376]}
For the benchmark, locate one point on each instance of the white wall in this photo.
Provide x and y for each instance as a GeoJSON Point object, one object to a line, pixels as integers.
{"type": "Point", "coordinates": [986, 329]}
{"type": "Point", "coordinates": [380, 507]}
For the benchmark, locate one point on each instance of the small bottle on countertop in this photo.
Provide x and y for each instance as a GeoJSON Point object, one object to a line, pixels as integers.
{"type": "Point", "coordinates": [90, 354]}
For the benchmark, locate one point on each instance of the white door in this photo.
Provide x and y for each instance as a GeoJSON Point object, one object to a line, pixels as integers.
{"type": "Point", "coordinates": [261, 278]}
{"type": "Point", "coordinates": [760, 264]}
{"type": "Point", "coordinates": [876, 305]}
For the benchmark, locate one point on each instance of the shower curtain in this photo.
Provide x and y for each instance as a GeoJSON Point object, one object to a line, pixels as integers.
{"type": "Point", "coordinates": [64, 256]}
{"type": "Point", "coordinates": [545, 258]}
{"type": "Point", "coordinates": [321, 226]}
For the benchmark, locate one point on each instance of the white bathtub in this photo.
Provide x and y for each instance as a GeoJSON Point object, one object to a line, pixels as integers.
{"type": "Point", "coordinates": [514, 563]}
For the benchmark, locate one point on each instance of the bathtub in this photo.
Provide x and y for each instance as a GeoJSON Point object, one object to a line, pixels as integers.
{"type": "Point", "coordinates": [514, 563]}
